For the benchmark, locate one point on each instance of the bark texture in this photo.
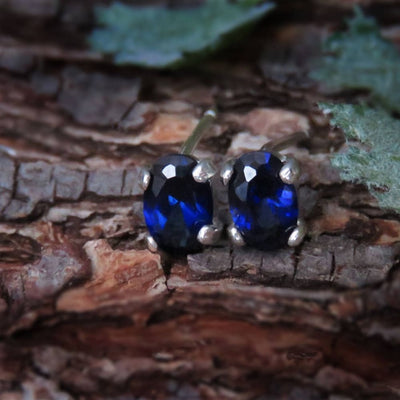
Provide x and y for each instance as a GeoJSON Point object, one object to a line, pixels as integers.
{"type": "Point", "coordinates": [86, 312]}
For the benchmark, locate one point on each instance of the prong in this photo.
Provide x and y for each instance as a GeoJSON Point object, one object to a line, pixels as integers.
{"type": "Point", "coordinates": [209, 234]}
{"type": "Point", "coordinates": [235, 236]}
{"type": "Point", "coordinates": [227, 171]}
{"type": "Point", "coordinates": [297, 236]}
{"type": "Point", "coordinates": [145, 178]}
{"type": "Point", "coordinates": [151, 244]}
{"type": "Point", "coordinates": [290, 172]}
{"type": "Point", "coordinates": [204, 171]}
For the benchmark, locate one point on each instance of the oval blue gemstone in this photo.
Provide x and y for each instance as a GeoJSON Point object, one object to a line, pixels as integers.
{"type": "Point", "coordinates": [263, 208]}
{"type": "Point", "coordinates": [175, 206]}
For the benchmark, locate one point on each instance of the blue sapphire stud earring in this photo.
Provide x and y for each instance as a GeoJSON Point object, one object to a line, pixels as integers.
{"type": "Point", "coordinates": [178, 200]}
{"type": "Point", "coordinates": [262, 198]}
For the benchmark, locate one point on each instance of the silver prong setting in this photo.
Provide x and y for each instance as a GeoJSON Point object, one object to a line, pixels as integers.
{"type": "Point", "coordinates": [235, 236]}
{"type": "Point", "coordinates": [151, 244]}
{"type": "Point", "coordinates": [290, 172]}
{"type": "Point", "coordinates": [209, 235]}
{"type": "Point", "coordinates": [145, 178]}
{"type": "Point", "coordinates": [227, 172]}
{"type": "Point", "coordinates": [297, 236]}
{"type": "Point", "coordinates": [204, 171]}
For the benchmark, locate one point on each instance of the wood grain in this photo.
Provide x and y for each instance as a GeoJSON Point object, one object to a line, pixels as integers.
{"type": "Point", "coordinates": [87, 312]}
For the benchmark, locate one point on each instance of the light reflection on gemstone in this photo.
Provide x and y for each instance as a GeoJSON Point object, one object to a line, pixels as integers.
{"type": "Point", "coordinates": [249, 173]}
{"type": "Point", "coordinates": [169, 171]}
{"type": "Point", "coordinates": [172, 200]}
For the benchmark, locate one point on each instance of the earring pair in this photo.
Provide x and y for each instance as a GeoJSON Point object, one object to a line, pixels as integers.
{"type": "Point", "coordinates": [178, 201]}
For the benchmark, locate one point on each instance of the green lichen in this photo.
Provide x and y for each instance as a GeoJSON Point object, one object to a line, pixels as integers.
{"type": "Point", "coordinates": [372, 156]}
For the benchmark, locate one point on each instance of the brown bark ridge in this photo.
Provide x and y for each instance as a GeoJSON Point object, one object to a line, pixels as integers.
{"type": "Point", "coordinates": [86, 312]}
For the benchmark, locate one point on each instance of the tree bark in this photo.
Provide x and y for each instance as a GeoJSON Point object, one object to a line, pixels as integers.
{"type": "Point", "coordinates": [87, 312]}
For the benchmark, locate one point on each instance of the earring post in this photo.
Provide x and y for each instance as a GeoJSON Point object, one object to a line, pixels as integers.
{"type": "Point", "coordinates": [204, 124]}
{"type": "Point", "coordinates": [281, 144]}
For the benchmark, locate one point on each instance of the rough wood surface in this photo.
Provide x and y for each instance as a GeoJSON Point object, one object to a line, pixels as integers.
{"type": "Point", "coordinates": [86, 312]}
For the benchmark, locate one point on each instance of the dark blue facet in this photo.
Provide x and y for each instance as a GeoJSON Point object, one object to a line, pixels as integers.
{"type": "Point", "coordinates": [263, 208]}
{"type": "Point", "coordinates": [175, 206]}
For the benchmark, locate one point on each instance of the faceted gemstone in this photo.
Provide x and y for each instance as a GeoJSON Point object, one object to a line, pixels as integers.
{"type": "Point", "coordinates": [175, 206]}
{"type": "Point", "coordinates": [263, 208]}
